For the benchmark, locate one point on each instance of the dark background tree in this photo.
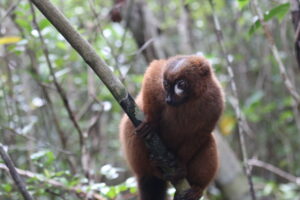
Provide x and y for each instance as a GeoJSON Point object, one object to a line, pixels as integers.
{"type": "Point", "coordinates": [41, 138]}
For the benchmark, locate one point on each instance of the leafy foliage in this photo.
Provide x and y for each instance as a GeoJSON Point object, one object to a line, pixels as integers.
{"type": "Point", "coordinates": [243, 3]}
{"type": "Point", "coordinates": [35, 125]}
{"type": "Point", "coordinates": [278, 12]}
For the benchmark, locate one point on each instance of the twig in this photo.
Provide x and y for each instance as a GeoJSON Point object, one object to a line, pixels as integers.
{"type": "Point", "coordinates": [9, 11]}
{"type": "Point", "coordinates": [54, 183]}
{"type": "Point", "coordinates": [287, 82]}
{"type": "Point", "coordinates": [109, 44]}
{"type": "Point", "coordinates": [115, 86]}
{"type": "Point", "coordinates": [116, 54]}
{"type": "Point", "coordinates": [7, 106]}
{"type": "Point", "coordinates": [85, 108]}
{"type": "Point", "coordinates": [235, 101]}
{"type": "Point", "coordinates": [83, 148]}
{"type": "Point", "coordinates": [57, 85]}
{"type": "Point", "coordinates": [134, 56]}
{"type": "Point", "coordinates": [127, 23]}
{"type": "Point", "coordinates": [44, 91]}
{"type": "Point", "coordinates": [143, 47]}
{"type": "Point", "coordinates": [275, 170]}
{"type": "Point", "coordinates": [42, 144]}
{"type": "Point", "coordinates": [283, 72]}
{"type": "Point", "coordinates": [14, 174]}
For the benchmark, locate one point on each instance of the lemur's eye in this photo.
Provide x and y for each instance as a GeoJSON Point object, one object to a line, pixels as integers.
{"type": "Point", "coordinates": [180, 86]}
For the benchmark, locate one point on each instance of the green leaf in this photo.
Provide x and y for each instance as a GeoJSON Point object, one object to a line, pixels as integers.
{"type": "Point", "coordinates": [286, 116]}
{"type": "Point", "coordinates": [62, 45]}
{"type": "Point", "coordinates": [111, 193]}
{"type": "Point", "coordinates": [279, 12]}
{"type": "Point", "coordinates": [50, 157]}
{"type": "Point", "coordinates": [254, 99]}
{"type": "Point", "coordinates": [7, 187]}
{"type": "Point", "coordinates": [73, 182]}
{"type": "Point", "coordinates": [133, 190]}
{"type": "Point", "coordinates": [24, 24]}
{"type": "Point", "coordinates": [188, 1]}
{"type": "Point", "coordinates": [121, 188]}
{"type": "Point", "coordinates": [44, 23]}
{"type": "Point", "coordinates": [252, 106]}
{"type": "Point", "coordinates": [47, 156]}
{"type": "Point", "coordinates": [47, 173]}
{"type": "Point", "coordinates": [255, 26]}
{"type": "Point", "coordinates": [61, 173]}
{"type": "Point", "coordinates": [243, 3]}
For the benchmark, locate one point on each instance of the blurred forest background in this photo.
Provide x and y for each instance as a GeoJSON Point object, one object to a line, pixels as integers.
{"type": "Point", "coordinates": [51, 102]}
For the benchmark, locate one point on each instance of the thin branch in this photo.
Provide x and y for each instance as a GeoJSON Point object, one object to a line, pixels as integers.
{"type": "Point", "coordinates": [235, 100]}
{"type": "Point", "coordinates": [284, 75]}
{"type": "Point", "coordinates": [143, 47]}
{"type": "Point", "coordinates": [57, 85]}
{"type": "Point", "coordinates": [75, 189]}
{"type": "Point", "coordinates": [9, 11]}
{"type": "Point", "coordinates": [109, 44]}
{"type": "Point", "coordinates": [7, 107]}
{"type": "Point", "coordinates": [85, 108]}
{"type": "Point", "coordinates": [135, 55]}
{"type": "Point", "coordinates": [275, 170]}
{"type": "Point", "coordinates": [115, 54]}
{"type": "Point", "coordinates": [83, 148]}
{"type": "Point", "coordinates": [14, 174]}
{"type": "Point", "coordinates": [115, 86]}
{"type": "Point", "coordinates": [44, 91]}
{"type": "Point", "coordinates": [127, 23]}
{"type": "Point", "coordinates": [42, 145]}
{"type": "Point", "coordinates": [283, 72]}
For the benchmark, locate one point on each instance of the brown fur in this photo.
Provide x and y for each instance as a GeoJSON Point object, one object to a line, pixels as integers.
{"type": "Point", "coordinates": [186, 129]}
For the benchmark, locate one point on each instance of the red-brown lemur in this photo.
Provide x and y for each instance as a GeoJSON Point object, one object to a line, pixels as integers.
{"type": "Point", "coordinates": [182, 100]}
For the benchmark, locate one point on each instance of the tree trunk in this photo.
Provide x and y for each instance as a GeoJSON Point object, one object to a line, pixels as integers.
{"type": "Point", "coordinates": [295, 11]}
{"type": "Point", "coordinates": [230, 179]}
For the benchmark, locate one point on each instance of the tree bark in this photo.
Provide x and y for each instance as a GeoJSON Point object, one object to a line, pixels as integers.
{"type": "Point", "coordinates": [145, 29]}
{"type": "Point", "coordinates": [230, 179]}
{"type": "Point", "coordinates": [295, 11]}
